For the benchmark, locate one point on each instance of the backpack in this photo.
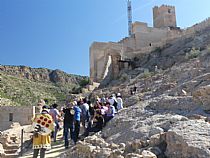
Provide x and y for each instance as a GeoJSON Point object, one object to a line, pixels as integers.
{"type": "Point", "coordinates": [115, 104]}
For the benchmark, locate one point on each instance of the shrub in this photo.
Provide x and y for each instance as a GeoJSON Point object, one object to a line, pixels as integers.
{"type": "Point", "coordinates": [157, 49]}
{"type": "Point", "coordinates": [124, 77]}
{"type": "Point", "coordinates": [194, 53]}
{"type": "Point", "coordinates": [84, 82]}
{"type": "Point", "coordinates": [76, 90]}
{"type": "Point", "coordinates": [147, 74]}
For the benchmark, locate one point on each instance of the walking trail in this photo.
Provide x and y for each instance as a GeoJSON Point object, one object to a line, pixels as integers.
{"type": "Point", "coordinates": [55, 152]}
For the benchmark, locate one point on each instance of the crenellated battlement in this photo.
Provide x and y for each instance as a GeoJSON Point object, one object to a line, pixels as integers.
{"type": "Point", "coordinates": [164, 6]}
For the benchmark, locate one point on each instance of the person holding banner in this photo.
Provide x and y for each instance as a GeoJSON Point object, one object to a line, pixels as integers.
{"type": "Point", "coordinates": [43, 125]}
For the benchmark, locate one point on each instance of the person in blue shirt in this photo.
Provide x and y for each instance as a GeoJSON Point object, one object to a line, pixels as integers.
{"type": "Point", "coordinates": [77, 113]}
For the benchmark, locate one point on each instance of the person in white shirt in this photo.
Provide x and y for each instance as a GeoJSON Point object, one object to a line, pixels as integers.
{"type": "Point", "coordinates": [113, 101]}
{"type": "Point", "coordinates": [119, 102]}
{"type": "Point", "coordinates": [55, 115]}
{"type": "Point", "coordinates": [85, 115]}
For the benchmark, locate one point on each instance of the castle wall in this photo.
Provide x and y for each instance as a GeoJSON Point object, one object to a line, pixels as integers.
{"type": "Point", "coordinates": [128, 44]}
{"type": "Point", "coordinates": [10, 114]}
{"type": "Point", "coordinates": [96, 52]}
{"type": "Point", "coordinates": [197, 27]}
{"type": "Point", "coordinates": [101, 63]}
{"type": "Point", "coordinates": [144, 39]}
{"type": "Point", "coordinates": [148, 37]}
{"type": "Point", "coordinates": [99, 52]}
{"type": "Point", "coordinates": [164, 16]}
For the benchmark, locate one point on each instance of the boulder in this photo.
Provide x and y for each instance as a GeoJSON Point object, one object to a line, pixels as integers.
{"type": "Point", "coordinates": [138, 125]}
{"type": "Point", "coordinates": [116, 154]}
{"type": "Point", "coordinates": [148, 154]}
{"type": "Point", "coordinates": [155, 140]}
{"type": "Point", "coordinates": [96, 141]}
{"type": "Point", "coordinates": [1, 150]}
{"type": "Point", "coordinates": [133, 155]}
{"type": "Point", "coordinates": [113, 146]}
{"type": "Point", "coordinates": [157, 151]}
{"type": "Point", "coordinates": [188, 139]}
{"type": "Point", "coordinates": [85, 148]}
{"type": "Point", "coordinates": [132, 100]}
{"type": "Point", "coordinates": [155, 130]}
{"type": "Point", "coordinates": [136, 144]}
{"type": "Point", "coordinates": [173, 103]}
{"type": "Point", "coordinates": [102, 153]}
{"type": "Point", "coordinates": [201, 97]}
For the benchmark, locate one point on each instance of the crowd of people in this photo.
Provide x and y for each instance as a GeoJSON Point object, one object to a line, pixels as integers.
{"type": "Point", "coordinates": [82, 113]}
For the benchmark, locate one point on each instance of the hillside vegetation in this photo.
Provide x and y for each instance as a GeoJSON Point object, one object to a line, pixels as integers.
{"type": "Point", "coordinates": [25, 86]}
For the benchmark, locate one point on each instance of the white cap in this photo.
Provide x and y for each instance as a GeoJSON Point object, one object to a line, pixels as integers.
{"type": "Point", "coordinates": [74, 103]}
{"type": "Point", "coordinates": [118, 94]}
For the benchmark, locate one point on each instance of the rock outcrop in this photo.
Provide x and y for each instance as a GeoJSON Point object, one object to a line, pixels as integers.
{"type": "Point", "coordinates": [168, 114]}
{"type": "Point", "coordinates": [188, 139]}
{"type": "Point", "coordinates": [10, 140]}
{"type": "Point", "coordinates": [96, 147]}
{"type": "Point", "coordinates": [41, 74]}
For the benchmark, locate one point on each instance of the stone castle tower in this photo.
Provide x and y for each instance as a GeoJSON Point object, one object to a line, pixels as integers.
{"type": "Point", "coordinates": [164, 16]}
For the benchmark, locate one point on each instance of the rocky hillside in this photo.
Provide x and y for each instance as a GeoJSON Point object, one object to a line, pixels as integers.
{"type": "Point", "coordinates": [21, 85]}
{"type": "Point", "coordinates": [168, 115]}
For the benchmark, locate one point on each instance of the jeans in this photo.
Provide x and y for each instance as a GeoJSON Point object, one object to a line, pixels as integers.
{"type": "Point", "coordinates": [66, 133]}
{"type": "Point", "coordinates": [87, 130]}
{"type": "Point", "coordinates": [76, 130]}
{"type": "Point", "coordinates": [108, 118]}
{"type": "Point", "coordinates": [85, 123]}
{"type": "Point", "coordinates": [36, 153]}
{"type": "Point", "coordinates": [54, 133]}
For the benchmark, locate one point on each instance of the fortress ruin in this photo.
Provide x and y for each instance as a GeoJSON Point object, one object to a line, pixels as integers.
{"type": "Point", "coordinates": [106, 58]}
{"type": "Point", "coordinates": [11, 114]}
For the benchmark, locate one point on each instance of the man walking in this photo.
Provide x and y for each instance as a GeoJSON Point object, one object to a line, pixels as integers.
{"type": "Point", "coordinates": [68, 123]}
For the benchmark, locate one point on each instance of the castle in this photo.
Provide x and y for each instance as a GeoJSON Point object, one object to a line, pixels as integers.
{"type": "Point", "coordinates": [106, 58]}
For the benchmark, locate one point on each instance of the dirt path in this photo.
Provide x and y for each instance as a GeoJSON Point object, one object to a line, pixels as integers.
{"type": "Point", "coordinates": [55, 152]}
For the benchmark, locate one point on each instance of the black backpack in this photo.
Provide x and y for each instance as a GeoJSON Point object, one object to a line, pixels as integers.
{"type": "Point", "coordinates": [115, 104]}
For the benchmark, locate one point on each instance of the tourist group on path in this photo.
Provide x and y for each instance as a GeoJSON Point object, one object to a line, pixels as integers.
{"type": "Point", "coordinates": [91, 116]}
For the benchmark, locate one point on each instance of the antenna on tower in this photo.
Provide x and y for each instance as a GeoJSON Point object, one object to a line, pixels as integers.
{"type": "Point", "coordinates": [129, 18]}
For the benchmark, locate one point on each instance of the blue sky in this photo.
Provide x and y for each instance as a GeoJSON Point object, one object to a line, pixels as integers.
{"type": "Point", "coordinates": [57, 34]}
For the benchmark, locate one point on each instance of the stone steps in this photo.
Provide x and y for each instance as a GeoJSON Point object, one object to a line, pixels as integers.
{"type": "Point", "coordinates": [11, 147]}
{"type": "Point", "coordinates": [15, 155]}
{"type": "Point", "coordinates": [10, 151]}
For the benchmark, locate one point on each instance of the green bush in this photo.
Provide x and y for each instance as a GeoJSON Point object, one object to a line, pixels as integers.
{"type": "Point", "coordinates": [147, 74]}
{"type": "Point", "coordinates": [124, 77]}
{"type": "Point", "coordinates": [84, 82]}
{"type": "Point", "coordinates": [194, 53]}
{"type": "Point", "coordinates": [76, 90]}
{"type": "Point", "coordinates": [157, 49]}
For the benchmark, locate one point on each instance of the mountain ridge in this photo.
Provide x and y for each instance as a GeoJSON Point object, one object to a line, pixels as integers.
{"type": "Point", "coordinates": [23, 85]}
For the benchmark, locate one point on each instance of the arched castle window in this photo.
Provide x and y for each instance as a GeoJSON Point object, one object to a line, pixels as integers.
{"type": "Point", "coordinates": [169, 11]}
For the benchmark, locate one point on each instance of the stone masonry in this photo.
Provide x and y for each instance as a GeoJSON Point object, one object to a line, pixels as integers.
{"type": "Point", "coordinates": [11, 114]}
